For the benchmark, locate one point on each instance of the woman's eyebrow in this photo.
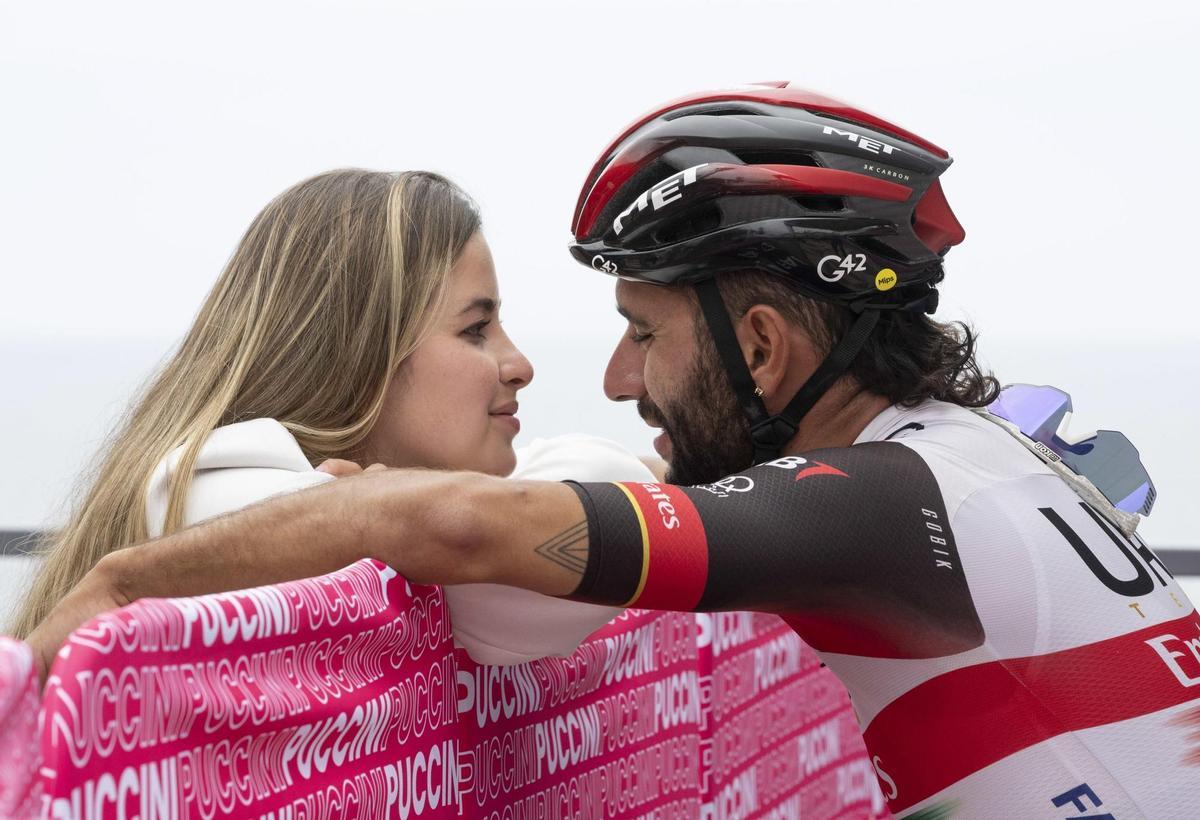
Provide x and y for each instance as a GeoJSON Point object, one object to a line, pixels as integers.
{"type": "Point", "coordinates": [484, 303]}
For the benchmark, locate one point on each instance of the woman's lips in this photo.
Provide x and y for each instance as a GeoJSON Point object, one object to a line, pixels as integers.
{"type": "Point", "coordinates": [509, 420]}
{"type": "Point", "coordinates": [662, 445]}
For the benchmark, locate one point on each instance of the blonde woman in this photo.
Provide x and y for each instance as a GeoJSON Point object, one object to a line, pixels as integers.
{"type": "Point", "coordinates": [357, 319]}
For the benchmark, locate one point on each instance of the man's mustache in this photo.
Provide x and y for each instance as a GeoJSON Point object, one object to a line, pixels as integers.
{"type": "Point", "coordinates": [650, 413]}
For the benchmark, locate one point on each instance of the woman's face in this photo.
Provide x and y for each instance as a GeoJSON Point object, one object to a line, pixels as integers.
{"type": "Point", "coordinates": [452, 404]}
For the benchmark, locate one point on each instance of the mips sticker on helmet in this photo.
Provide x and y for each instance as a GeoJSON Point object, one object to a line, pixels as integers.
{"type": "Point", "coordinates": [658, 195]}
{"type": "Point", "coordinates": [603, 265]}
{"type": "Point", "coordinates": [885, 279]}
{"type": "Point", "coordinates": [850, 263]}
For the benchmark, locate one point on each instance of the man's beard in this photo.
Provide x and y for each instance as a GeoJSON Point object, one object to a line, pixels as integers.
{"type": "Point", "coordinates": [710, 436]}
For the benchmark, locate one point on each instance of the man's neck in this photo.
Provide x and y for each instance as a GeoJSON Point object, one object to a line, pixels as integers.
{"type": "Point", "coordinates": [837, 419]}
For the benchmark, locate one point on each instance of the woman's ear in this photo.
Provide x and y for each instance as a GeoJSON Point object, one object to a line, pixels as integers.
{"type": "Point", "coordinates": [774, 351]}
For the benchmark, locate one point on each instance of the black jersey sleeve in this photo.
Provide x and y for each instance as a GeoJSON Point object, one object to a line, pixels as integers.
{"type": "Point", "coordinates": [851, 545]}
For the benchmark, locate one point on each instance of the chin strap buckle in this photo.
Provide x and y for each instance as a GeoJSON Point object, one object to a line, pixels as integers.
{"type": "Point", "coordinates": [769, 436]}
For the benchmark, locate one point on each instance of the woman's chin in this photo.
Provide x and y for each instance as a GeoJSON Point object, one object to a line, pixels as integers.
{"type": "Point", "coordinates": [499, 461]}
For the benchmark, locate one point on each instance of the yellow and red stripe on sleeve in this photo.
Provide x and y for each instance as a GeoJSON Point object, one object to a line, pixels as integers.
{"type": "Point", "coordinates": [674, 550]}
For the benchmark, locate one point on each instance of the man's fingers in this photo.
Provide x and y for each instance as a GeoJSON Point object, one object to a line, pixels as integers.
{"type": "Point", "coordinates": [96, 593]}
{"type": "Point", "coordinates": [339, 467]}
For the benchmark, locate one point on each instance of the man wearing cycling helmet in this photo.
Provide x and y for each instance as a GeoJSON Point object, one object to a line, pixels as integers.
{"type": "Point", "coordinates": [1012, 647]}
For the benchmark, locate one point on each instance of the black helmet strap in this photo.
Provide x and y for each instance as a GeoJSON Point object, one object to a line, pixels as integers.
{"type": "Point", "coordinates": [768, 433]}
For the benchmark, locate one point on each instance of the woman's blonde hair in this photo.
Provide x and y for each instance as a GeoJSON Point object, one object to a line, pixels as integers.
{"type": "Point", "coordinates": [332, 286]}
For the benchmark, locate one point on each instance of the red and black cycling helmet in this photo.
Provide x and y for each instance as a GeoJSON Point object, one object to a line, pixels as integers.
{"type": "Point", "coordinates": [839, 203]}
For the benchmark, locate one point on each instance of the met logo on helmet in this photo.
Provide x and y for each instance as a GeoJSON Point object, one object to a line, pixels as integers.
{"type": "Point", "coordinates": [865, 143]}
{"type": "Point", "coordinates": [658, 195]}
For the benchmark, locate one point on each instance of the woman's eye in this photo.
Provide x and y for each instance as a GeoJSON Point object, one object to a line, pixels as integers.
{"type": "Point", "coordinates": [475, 331]}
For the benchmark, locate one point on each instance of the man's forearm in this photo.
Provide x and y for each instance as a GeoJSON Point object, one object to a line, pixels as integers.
{"type": "Point", "coordinates": [432, 527]}
{"type": "Point", "coordinates": [294, 536]}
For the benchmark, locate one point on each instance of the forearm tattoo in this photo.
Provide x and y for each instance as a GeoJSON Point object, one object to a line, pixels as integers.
{"type": "Point", "coordinates": [568, 549]}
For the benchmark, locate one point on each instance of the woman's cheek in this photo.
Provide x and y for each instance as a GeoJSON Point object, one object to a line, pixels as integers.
{"type": "Point", "coordinates": [477, 389]}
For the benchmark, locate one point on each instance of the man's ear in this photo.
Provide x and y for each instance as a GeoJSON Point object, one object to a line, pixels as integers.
{"type": "Point", "coordinates": [774, 350]}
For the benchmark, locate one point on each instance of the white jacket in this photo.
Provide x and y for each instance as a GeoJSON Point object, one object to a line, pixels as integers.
{"type": "Point", "coordinates": [243, 463]}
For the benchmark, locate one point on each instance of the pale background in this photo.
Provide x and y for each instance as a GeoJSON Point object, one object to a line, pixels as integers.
{"type": "Point", "coordinates": [140, 138]}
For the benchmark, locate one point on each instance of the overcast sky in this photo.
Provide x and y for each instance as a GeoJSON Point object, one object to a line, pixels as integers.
{"type": "Point", "coordinates": [139, 139]}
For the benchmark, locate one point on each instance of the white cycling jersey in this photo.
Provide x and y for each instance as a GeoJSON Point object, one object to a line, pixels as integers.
{"type": "Point", "coordinates": [1010, 652]}
{"type": "Point", "coordinates": [1082, 699]}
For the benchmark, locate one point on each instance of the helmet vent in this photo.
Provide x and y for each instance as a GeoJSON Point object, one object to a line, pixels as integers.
{"type": "Point", "coordinates": [699, 221]}
{"type": "Point", "coordinates": [880, 248]}
{"type": "Point", "coordinates": [819, 202]}
{"type": "Point", "coordinates": [751, 156]}
{"type": "Point", "coordinates": [715, 111]}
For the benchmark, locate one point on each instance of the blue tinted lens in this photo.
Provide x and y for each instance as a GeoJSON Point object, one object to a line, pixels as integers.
{"type": "Point", "coordinates": [1113, 464]}
{"type": "Point", "coordinates": [1037, 411]}
{"type": "Point", "coordinates": [1108, 459]}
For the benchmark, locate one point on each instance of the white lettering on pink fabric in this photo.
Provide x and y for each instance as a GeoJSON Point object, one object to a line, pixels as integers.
{"type": "Point", "coordinates": [342, 696]}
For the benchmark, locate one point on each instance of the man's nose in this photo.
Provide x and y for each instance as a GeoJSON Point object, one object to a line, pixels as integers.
{"type": "Point", "coordinates": [623, 380]}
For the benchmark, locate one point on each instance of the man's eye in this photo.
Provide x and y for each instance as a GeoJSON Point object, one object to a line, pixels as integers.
{"type": "Point", "coordinates": [638, 338]}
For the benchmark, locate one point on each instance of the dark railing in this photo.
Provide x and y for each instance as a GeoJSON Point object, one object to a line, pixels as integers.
{"type": "Point", "coordinates": [16, 542]}
{"type": "Point", "coordinates": [1179, 561]}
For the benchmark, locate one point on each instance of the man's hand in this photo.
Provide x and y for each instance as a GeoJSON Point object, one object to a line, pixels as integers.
{"type": "Point", "coordinates": [96, 593]}
{"type": "Point", "coordinates": [340, 467]}
{"type": "Point", "coordinates": [432, 527]}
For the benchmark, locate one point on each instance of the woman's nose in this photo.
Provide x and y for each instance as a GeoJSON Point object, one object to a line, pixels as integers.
{"type": "Point", "coordinates": [515, 369]}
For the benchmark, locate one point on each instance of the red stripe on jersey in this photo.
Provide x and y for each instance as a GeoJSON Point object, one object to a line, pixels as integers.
{"type": "Point", "coordinates": [956, 724]}
{"type": "Point", "coordinates": [676, 550]}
